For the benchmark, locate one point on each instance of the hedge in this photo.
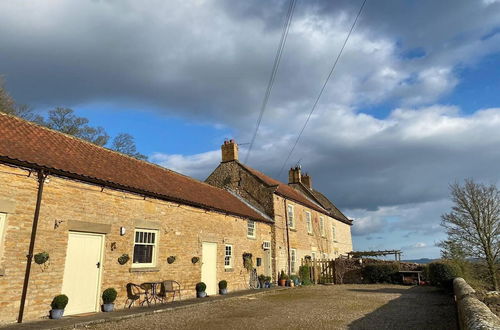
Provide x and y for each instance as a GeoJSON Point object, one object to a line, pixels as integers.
{"type": "Point", "coordinates": [442, 274]}
{"type": "Point", "coordinates": [381, 273]}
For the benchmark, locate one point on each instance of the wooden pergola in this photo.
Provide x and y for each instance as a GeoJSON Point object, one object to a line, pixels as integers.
{"type": "Point", "coordinates": [382, 253]}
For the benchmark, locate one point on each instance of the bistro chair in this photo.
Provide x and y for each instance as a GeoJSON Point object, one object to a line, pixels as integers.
{"type": "Point", "coordinates": [169, 287]}
{"type": "Point", "coordinates": [134, 293]}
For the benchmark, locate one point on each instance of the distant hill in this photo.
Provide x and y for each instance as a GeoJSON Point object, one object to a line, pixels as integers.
{"type": "Point", "coordinates": [420, 261]}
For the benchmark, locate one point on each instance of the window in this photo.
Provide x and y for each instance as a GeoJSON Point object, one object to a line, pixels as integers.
{"type": "Point", "coordinates": [308, 221]}
{"type": "Point", "coordinates": [334, 233]}
{"type": "Point", "coordinates": [228, 257]}
{"type": "Point", "coordinates": [251, 229]}
{"type": "Point", "coordinates": [322, 226]}
{"type": "Point", "coordinates": [291, 219]}
{"type": "Point", "coordinates": [325, 256]}
{"type": "Point", "coordinates": [313, 255]}
{"type": "Point", "coordinates": [145, 248]}
{"type": "Point", "coordinates": [293, 260]}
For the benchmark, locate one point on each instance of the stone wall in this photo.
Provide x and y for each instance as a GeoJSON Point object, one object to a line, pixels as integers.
{"type": "Point", "coordinates": [67, 203]}
{"type": "Point", "coordinates": [472, 313]}
{"type": "Point", "coordinates": [307, 244]}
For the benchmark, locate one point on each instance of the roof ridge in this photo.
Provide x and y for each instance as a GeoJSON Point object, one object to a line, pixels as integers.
{"type": "Point", "coordinates": [93, 145]}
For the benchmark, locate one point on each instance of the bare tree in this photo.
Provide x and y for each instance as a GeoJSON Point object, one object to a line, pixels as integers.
{"type": "Point", "coordinates": [9, 106]}
{"type": "Point", "coordinates": [65, 120]}
{"type": "Point", "coordinates": [125, 144]}
{"type": "Point", "coordinates": [473, 225]}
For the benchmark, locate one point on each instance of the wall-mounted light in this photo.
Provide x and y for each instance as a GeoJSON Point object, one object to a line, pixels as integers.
{"type": "Point", "coordinates": [122, 231]}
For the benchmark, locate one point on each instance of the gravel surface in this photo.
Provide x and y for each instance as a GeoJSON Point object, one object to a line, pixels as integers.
{"type": "Point", "coordinates": [319, 307]}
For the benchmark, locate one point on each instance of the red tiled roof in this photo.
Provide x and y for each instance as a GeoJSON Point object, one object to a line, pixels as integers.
{"type": "Point", "coordinates": [285, 190]}
{"type": "Point", "coordinates": [25, 143]}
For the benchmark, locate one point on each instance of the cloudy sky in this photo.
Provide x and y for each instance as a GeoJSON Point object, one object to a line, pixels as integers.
{"type": "Point", "coordinates": [414, 103]}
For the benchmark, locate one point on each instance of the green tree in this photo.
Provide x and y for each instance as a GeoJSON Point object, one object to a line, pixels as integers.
{"type": "Point", "coordinates": [125, 144]}
{"type": "Point", "coordinates": [473, 225]}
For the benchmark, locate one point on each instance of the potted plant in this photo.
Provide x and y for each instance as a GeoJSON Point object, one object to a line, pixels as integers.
{"type": "Point", "coordinates": [282, 278]}
{"type": "Point", "coordinates": [223, 287]}
{"type": "Point", "coordinates": [200, 290]}
{"type": "Point", "coordinates": [262, 281]}
{"type": "Point", "coordinates": [108, 299]}
{"type": "Point", "coordinates": [295, 280]}
{"type": "Point", "coordinates": [58, 304]}
{"type": "Point", "coordinates": [268, 282]}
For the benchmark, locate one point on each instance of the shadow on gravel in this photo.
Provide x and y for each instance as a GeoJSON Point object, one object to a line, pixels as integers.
{"type": "Point", "coordinates": [415, 308]}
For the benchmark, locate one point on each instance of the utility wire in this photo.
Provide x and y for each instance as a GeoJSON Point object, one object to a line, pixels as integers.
{"type": "Point", "coordinates": [322, 88]}
{"type": "Point", "coordinates": [277, 59]}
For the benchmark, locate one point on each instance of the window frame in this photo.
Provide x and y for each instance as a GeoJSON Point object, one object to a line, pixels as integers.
{"type": "Point", "coordinates": [313, 255]}
{"type": "Point", "coordinates": [309, 225]}
{"type": "Point", "coordinates": [151, 264]}
{"type": "Point", "coordinates": [254, 225]}
{"type": "Point", "coordinates": [291, 219]}
{"type": "Point", "coordinates": [293, 260]}
{"type": "Point", "coordinates": [334, 232]}
{"type": "Point", "coordinates": [322, 230]}
{"type": "Point", "coordinates": [230, 265]}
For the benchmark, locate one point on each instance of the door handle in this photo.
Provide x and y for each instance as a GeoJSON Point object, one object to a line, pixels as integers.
{"type": "Point", "coordinates": [98, 264]}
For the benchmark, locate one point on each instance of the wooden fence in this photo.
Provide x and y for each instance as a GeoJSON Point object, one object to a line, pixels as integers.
{"type": "Point", "coordinates": [322, 271]}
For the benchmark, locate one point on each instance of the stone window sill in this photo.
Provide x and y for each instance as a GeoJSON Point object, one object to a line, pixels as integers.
{"type": "Point", "coordinates": [293, 229]}
{"type": "Point", "coordinates": [250, 237]}
{"type": "Point", "coordinates": [144, 269]}
{"type": "Point", "coordinates": [310, 234]}
{"type": "Point", "coordinates": [2, 271]}
{"type": "Point", "coordinates": [229, 270]}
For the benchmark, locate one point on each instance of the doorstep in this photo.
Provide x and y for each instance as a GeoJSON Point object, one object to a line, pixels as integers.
{"type": "Point", "coordinates": [81, 321]}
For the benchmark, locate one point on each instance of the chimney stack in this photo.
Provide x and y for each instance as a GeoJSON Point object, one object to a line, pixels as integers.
{"type": "Point", "coordinates": [294, 175]}
{"type": "Point", "coordinates": [229, 151]}
{"type": "Point", "coordinates": [307, 181]}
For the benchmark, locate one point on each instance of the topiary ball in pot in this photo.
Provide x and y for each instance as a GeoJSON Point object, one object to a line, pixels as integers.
{"type": "Point", "coordinates": [108, 299]}
{"type": "Point", "coordinates": [58, 304]}
{"type": "Point", "coordinates": [223, 287]}
{"type": "Point", "coordinates": [200, 290]}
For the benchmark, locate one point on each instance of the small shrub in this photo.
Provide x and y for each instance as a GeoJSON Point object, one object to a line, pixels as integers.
{"type": "Point", "coordinates": [59, 302]}
{"type": "Point", "coordinates": [222, 285]}
{"type": "Point", "coordinates": [262, 278]}
{"type": "Point", "coordinates": [268, 279]}
{"type": "Point", "coordinates": [201, 287]}
{"type": "Point", "coordinates": [442, 274]}
{"type": "Point", "coordinates": [109, 296]}
{"type": "Point", "coordinates": [380, 273]}
{"type": "Point", "coordinates": [283, 276]}
{"type": "Point", "coordinates": [305, 275]}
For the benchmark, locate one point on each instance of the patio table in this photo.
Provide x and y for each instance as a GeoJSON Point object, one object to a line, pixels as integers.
{"type": "Point", "coordinates": [151, 291]}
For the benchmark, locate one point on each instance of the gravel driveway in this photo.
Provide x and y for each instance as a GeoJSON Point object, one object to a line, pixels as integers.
{"type": "Point", "coordinates": [316, 307]}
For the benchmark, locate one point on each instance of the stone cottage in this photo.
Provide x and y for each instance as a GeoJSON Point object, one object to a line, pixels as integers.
{"type": "Point", "coordinates": [306, 223]}
{"type": "Point", "coordinates": [88, 208]}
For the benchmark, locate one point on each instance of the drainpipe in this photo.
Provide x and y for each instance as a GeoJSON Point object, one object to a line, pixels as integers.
{"type": "Point", "coordinates": [29, 256]}
{"type": "Point", "coordinates": [287, 237]}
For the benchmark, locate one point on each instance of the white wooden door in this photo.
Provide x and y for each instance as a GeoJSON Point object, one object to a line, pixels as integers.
{"type": "Point", "coordinates": [82, 273]}
{"type": "Point", "coordinates": [209, 267]}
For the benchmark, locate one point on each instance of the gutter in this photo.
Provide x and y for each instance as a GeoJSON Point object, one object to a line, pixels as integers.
{"type": "Point", "coordinates": [41, 180]}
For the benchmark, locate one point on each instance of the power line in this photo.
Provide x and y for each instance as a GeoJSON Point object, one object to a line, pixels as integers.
{"type": "Point", "coordinates": [322, 88]}
{"type": "Point", "coordinates": [277, 59]}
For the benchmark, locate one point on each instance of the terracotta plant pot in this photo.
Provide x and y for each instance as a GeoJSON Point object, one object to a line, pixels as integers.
{"type": "Point", "coordinates": [282, 282]}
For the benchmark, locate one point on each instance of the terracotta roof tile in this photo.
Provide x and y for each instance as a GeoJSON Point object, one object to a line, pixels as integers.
{"type": "Point", "coordinates": [25, 142]}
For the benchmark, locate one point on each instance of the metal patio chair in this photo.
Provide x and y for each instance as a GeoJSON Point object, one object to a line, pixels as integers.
{"type": "Point", "coordinates": [167, 287]}
{"type": "Point", "coordinates": [134, 293]}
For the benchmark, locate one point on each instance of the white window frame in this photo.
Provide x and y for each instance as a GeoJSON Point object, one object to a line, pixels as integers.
{"type": "Point", "coordinates": [322, 226]}
{"type": "Point", "coordinates": [155, 247]}
{"type": "Point", "coordinates": [251, 225]}
{"type": "Point", "coordinates": [308, 222]}
{"type": "Point", "coordinates": [293, 260]}
{"type": "Point", "coordinates": [334, 233]}
{"type": "Point", "coordinates": [230, 256]}
{"type": "Point", "coordinates": [291, 216]}
{"type": "Point", "coordinates": [3, 225]}
{"type": "Point", "coordinates": [313, 255]}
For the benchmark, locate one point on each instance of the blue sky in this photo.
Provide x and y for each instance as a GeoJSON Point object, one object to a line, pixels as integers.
{"type": "Point", "coordinates": [413, 105]}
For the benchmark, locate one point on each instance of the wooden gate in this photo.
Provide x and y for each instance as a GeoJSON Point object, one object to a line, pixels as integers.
{"type": "Point", "coordinates": [322, 270]}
